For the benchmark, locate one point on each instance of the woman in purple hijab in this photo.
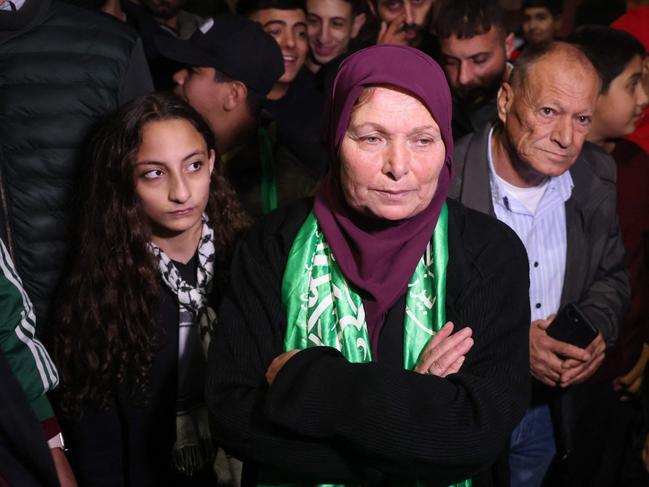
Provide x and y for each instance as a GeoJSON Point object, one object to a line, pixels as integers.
{"type": "Point", "coordinates": [378, 334]}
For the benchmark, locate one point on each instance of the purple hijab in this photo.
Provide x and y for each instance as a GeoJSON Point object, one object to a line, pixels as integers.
{"type": "Point", "coordinates": [380, 257]}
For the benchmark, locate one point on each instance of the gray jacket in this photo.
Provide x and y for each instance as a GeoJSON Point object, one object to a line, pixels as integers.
{"type": "Point", "coordinates": [596, 275]}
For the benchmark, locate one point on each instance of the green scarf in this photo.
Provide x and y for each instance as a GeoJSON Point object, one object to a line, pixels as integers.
{"type": "Point", "coordinates": [323, 310]}
{"type": "Point", "coordinates": [268, 177]}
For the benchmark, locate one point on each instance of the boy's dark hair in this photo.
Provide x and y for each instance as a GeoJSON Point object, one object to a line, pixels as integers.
{"type": "Point", "coordinates": [610, 50]}
{"type": "Point", "coordinates": [555, 7]}
{"type": "Point", "coordinates": [468, 18]}
{"type": "Point", "coordinates": [249, 7]}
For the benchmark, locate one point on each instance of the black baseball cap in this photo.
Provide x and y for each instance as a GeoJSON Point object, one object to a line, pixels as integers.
{"type": "Point", "coordinates": [234, 46]}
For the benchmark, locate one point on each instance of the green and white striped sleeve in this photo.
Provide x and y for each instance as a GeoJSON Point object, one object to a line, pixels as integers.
{"type": "Point", "coordinates": [29, 361]}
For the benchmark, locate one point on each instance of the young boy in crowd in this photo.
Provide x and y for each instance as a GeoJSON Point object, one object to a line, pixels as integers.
{"type": "Point", "coordinates": [606, 451]}
{"type": "Point", "coordinates": [541, 20]}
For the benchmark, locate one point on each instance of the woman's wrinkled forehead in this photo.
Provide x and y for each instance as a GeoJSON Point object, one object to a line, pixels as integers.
{"type": "Point", "coordinates": [368, 92]}
{"type": "Point", "coordinates": [404, 68]}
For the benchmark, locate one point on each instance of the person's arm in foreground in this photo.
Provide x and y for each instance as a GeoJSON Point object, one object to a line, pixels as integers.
{"type": "Point", "coordinates": [27, 357]}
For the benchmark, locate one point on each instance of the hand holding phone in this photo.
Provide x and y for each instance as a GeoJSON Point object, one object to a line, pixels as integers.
{"type": "Point", "coordinates": [572, 326]}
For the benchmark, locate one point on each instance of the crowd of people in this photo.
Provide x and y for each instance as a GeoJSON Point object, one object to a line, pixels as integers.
{"type": "Point", "coordinates": [324, 242]}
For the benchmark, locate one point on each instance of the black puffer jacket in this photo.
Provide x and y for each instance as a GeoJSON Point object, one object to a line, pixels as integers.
{"type": "Point", "coordinates": [62, 69]}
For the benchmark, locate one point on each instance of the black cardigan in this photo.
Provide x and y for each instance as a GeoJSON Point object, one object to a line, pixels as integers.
{"type": "Point", "coordinates": [327, 420]}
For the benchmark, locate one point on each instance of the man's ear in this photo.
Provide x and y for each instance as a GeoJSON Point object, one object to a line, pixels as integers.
{"type": "Point", "coordinates": [504, 101]}
{"type": "Point", "coordinates": [236, 96]}
{"type": "Point", "coordinates": [509, 44]}
{"type": "Point", "coordinates": [357, 25]}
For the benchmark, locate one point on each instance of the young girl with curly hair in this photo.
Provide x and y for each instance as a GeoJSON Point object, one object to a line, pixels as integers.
{"type": "Point", "coordinates": [135, 314]}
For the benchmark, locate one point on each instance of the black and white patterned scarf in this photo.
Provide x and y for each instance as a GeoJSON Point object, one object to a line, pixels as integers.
{"type": "Point", "coordinates": [193, 448]}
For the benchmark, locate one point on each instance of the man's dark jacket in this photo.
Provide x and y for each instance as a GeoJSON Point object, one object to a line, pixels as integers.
{"type": "Point", "coordinates": [62, 69]}
{"type": "Point", "coordinates": [596, 276]}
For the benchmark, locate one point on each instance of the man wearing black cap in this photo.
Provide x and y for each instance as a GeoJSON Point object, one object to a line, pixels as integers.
{"type": "Point", "coordinates": [232, 64]}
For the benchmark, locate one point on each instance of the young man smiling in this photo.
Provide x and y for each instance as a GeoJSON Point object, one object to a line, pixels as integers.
{"type": "Point", "coordinates": [331, 26]}
{"type": "Point", "coordinates": [294, 101]}
{"type": "Point", "coordinates": [285, 21]}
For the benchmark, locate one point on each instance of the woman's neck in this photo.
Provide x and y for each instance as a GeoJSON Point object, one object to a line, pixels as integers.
{"type": "Point", "coordinates": [180, 247]}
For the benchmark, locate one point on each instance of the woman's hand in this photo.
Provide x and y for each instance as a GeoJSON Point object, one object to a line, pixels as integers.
{"type": "Point", "coordinates": [631, 382]}
{"type": "Point", "coordinates": [277, 364]}
{"type": "Point", "coordinates": [445, 353]}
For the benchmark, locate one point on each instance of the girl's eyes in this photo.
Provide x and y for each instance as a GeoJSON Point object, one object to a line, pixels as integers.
{"type": "Point", "coordinates": [158, 173]}
{"type": "Point", "coordinates": [152, 174]}
{"type": "Point", "coordinates": [195, 166]}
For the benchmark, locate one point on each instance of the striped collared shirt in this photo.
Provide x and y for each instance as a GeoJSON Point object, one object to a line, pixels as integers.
{"type": "Point", "coordinates": [10, 5]}
{"type": "Point", "coordinates": [543, 233]}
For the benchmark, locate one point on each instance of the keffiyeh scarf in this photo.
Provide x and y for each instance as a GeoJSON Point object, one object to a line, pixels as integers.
{"type": "Point", "coordinates": [193, 448]}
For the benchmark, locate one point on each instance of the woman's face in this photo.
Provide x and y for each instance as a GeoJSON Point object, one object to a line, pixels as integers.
{"type": "Point", "coordinates": [391, 156]}
{"type": "Point", "coordinates": [330, 26]}
{"type": "Point", "coordinates": [172, 176]}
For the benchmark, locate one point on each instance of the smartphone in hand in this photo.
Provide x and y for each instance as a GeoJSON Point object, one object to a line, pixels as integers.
{"type": "Point", "coordinates": [572, 326]}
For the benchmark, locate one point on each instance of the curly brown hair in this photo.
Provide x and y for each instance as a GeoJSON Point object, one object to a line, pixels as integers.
{"type": "Point", "coordinates": [104, 321]}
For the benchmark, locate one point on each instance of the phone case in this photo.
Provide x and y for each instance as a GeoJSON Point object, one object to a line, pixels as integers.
{"type": "Point", "coordinates": [572, 326]}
